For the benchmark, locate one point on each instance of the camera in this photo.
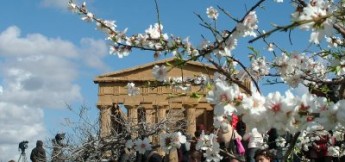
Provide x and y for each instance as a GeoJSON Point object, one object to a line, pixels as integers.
{"type": "Point", "coordinates": [23, 145]}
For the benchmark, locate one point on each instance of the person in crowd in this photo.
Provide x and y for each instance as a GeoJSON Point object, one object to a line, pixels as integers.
{"type": "Point", "coordinates": [240, 127]}
{"type": "Point", "coordinates": [318, 149]}
{"type": "Point", "coordinates": [196, 155]}
{"type": "Point", "coordinates": [255, 141]}
{"type": "Point", "coordinates": [263, 156]}
{"type": "Point", "coordinates": [38, 154]}
{"type": "Point", "coordinates": [227, 141]}
{"type": "Point", "coordinates": [153, 156]}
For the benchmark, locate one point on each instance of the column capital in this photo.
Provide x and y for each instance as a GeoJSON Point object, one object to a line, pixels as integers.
{"type": "Point", "coordinates": [131, 106]}
{"type": "Point", "coordinates": [161, 103]}
{"type": "Point", "coordinates": [104, 107]}
{"type": "Point", "coordinates": [189, 104]}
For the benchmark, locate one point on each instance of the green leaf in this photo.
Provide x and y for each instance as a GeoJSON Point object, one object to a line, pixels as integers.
{"type": "Point", "coordinates": [255, 53]}
{"type": "Point", "coordinates": [195, 95]}
{"type": "Point", "coordinates": [209, 86]}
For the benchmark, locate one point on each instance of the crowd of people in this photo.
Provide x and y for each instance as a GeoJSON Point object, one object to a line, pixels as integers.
{"type": "Point", "coordinates": [254, 146]}
{"type": "Point", "coordinates": [244, 145]}
{"type": "Point", "coordinates": [38, 154]}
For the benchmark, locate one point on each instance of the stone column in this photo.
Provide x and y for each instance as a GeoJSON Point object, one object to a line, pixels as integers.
{"type": "Point", "coordinates": [105, 120]}
{"type": "Point", "coordinates": [161, 112]}
{"type": "Point", "coordinates": [205, 118]}
{"type": "Point", "coordinates": [132, 113]}
{"type": "Point", "coordinates": [133, 118]}
{"type": "Point", "coordinates": [150, 120]}
{"type": "Point", "coordinates": [149, 116]}
{"type": "Point", "coordinates": [191, 121]}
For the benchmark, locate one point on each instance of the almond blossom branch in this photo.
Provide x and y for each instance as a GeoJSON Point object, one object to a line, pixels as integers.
{"type": "Point", "coordinates": [287, 27]}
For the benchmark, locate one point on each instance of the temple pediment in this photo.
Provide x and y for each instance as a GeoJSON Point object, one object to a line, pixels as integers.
{"type": "Point", "coordinates": [144, 72]}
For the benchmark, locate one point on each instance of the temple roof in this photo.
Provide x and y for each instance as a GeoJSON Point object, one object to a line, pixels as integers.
{"type": "Point", "coordinates": [144, 72]}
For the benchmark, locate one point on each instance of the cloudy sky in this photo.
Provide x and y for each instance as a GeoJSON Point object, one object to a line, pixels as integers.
{"type": "Point", "coordinates": [49, 58]}
{"type": "Point", "coordinates": [43, 67]}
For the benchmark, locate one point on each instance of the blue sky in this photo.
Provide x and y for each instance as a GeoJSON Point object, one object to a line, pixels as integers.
{"type": "Point", "coordinates": [49, 57]}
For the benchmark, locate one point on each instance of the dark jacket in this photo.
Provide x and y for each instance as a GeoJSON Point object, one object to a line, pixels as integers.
{"type": "Point", "coordinates": [38, 154]}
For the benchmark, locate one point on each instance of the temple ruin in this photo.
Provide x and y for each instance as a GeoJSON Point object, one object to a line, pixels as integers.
{"type": "Point", "coordinates": [154, 103]}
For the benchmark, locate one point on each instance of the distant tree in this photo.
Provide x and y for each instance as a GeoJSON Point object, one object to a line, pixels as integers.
{"type": "Point", "coordinates": [84, 143]}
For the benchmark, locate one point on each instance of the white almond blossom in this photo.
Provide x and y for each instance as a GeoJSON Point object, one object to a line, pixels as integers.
{"type": "Point", "coordinates": [254, 104]}
{"type": "Point", "coordinates": [325, 30]}
{"type": "Point", "coordinates": [249, 25]}
{"type": "Point", "coordinates": [222, 52]}
{"type": "Point", "coordinates": [169, 141]}
{"type": "Point", "coordinates": [254, 111]}
{"type": "Point", "coordinates": [72, 7]}
{"type": "Point", "coordinates": [224, 109]}
{"type": "Point", "coordinates": [107, 26]}
{"type": "Point", "coordinates": [333, 41]}
{"type": "Point", "coordinates": [306, 103]}
{"type": "Point", "coordinates": [338, 134]}
{"type": "Point", "coordinates": [142, 145]}
{"type": "Point", "coordinates": [270, 47]}
{"type": "Point", "coordinates": [339, 64]}
{"type": "Point", "coordinates": [210, 146]}
{"type": "Point", "coordinates": [280, 142]}
{"type": "Point", "coordinates": [341, 111]}
{"type": "Point", "coordinates": [205, 141]}
{"type": "Point", "coordinates": [212, 155]}
{"type": "Point", "coordinates": [282, 64]}
{"type": "Point", "coordinates": [220, 122]}
{"type": "Point", "coordinates": [185, 88]}
{"type": "Point", "coordinates": [119, 51]}
{"type": "Point", "coordinates": [132, 90]}
{"type": "Point", "coordinates": [88, 17]}
{"type": "Point", "coordinates": [223, 93]}
{"type": "Point", "coordinates": [155, 31]}
{"type": "Point", "coordinates": [160, 73]}
{"type": "Point", "coordinates": [212, 13]}
{"type": "Point", "coordinates": [292, 80]}
{"type": "Point", "coordinates": [217, 77]}
{"type": "Point", "coordinates": [333, 151]}
{"type": "Point", "coordinates": [176, 80]}
{"type": "Point", "coordinates": [260, 67]}
{"type": "Point", "coordinates": [129, 144]}
{"type": "Point", "coordinates": [277, 110]}
{"type": "Point", "coordinates": [201, 79]}
{"type": "Point", "coordinates": [317, 12]}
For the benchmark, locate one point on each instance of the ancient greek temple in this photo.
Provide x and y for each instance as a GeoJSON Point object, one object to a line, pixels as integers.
{"type": "Point", "coordinates": [154, 103]}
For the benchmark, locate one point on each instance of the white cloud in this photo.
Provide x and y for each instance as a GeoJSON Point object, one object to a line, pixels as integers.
{"type": "Point", "coordinates": [18, 123]}
{"type": "Point", "coordinates": [43, 82]}
{"type": "Point", "coordinates": [11, 44]}
{"type": "Point", "coordinates": [92, 51]}
{"type": "Point", "coordinates": [37, 73]}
